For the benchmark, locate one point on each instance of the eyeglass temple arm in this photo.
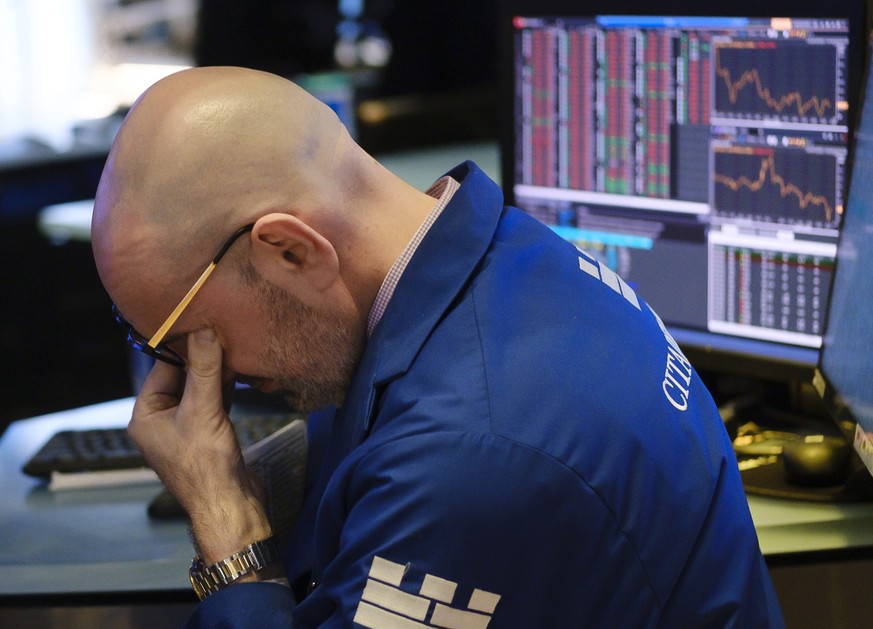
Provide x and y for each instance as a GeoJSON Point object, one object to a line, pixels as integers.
{"type": "Point", "coordinates": [162, 331]}
{"type": "Point", "coordinates": [177, 311]}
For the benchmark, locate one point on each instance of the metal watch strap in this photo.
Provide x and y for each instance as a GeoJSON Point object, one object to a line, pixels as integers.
{"type": "Point", "coordinates": [207, 580]}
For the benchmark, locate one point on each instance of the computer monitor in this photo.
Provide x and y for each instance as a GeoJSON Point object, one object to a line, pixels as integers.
{"type": "Point", "coordinates": [845, 375]}
{"type": "Point", "coordinates": [702, 150]}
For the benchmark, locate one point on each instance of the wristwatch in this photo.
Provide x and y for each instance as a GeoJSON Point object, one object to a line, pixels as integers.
{"type": "Point", "coordinates": [207, 580]}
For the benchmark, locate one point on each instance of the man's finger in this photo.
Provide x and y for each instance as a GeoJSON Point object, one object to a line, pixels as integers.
{"type": "Point", "coordinates": [162, 387]}
{"type": "Point", "coordinates": [203, 385]}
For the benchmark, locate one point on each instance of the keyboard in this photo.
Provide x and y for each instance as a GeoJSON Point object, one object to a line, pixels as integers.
{"type": "Point", "coordinates": [85, 450]}
{"type": "Point", "coordinates": [112, 448]}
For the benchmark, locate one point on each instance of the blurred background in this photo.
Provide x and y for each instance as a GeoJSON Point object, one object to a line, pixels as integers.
{"type": "Point", "coordinates": [403, 75]}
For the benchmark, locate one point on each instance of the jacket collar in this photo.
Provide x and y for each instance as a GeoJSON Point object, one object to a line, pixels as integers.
{"type": "Point", "coordinates": [438, 272]}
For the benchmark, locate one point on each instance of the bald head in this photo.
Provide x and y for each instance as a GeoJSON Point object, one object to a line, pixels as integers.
{"type": "Point", "coordinates": [207, 150]}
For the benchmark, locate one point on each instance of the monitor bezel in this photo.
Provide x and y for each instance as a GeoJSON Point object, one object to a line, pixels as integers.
{"type": "Point", "coordinates": [823, 382]}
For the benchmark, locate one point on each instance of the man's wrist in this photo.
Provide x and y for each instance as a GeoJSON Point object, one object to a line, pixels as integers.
{"type": "Point", "coordinates": [256, 562]}
{"type": "Point", "coordinates": [222, 532]}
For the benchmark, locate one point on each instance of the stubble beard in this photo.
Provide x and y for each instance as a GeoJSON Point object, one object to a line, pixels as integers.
{"type": "Point", "coordinates": [311, 355]}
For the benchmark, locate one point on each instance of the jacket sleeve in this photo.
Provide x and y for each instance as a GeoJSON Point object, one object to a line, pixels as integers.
{"type": "Point", "coordinates": [471, 527]}
{"type": "Point", "coordinates": [256, 605]}
{"type": "Point", "coordinates": [473, 530]}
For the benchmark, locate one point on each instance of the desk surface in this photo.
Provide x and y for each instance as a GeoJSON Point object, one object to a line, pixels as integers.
{"type": "Point", "coordinates": [85, 540]}
{"type": "Point", "coordinates": [101, 540]}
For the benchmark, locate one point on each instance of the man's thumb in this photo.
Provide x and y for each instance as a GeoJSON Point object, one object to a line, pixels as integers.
{"type": "Point", "coordinates": [204, 363]}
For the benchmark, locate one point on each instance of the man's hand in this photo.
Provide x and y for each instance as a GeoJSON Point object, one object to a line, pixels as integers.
{"type": "Point", "coordinates": [180, 423]}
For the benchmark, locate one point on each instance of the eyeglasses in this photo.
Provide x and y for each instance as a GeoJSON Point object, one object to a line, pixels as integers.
{"type": "Point", "coordinates": [153, 346]}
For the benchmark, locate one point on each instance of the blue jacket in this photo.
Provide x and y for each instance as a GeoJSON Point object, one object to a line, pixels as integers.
{"type": "Point", "coordinates": [522, 444]}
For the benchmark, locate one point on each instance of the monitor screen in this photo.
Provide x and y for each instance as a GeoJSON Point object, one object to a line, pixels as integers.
{"type": "Point", "coordinates": [846, 370]}
{"type": "Point", "coordinates": [702, 157]}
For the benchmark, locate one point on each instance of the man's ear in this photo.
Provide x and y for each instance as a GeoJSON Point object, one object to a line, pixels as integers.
{"type": "Point", "coordinates": [284, 246]}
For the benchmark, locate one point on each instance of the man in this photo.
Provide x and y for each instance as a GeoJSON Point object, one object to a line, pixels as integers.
{"type": "Point", "coordinates": [518, 442]}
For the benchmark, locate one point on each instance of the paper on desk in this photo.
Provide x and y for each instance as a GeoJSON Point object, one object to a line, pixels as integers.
{"type": "Point", "coordinates": [62, 481]}
{"type": "Point", "coordinates": [280, 460]}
